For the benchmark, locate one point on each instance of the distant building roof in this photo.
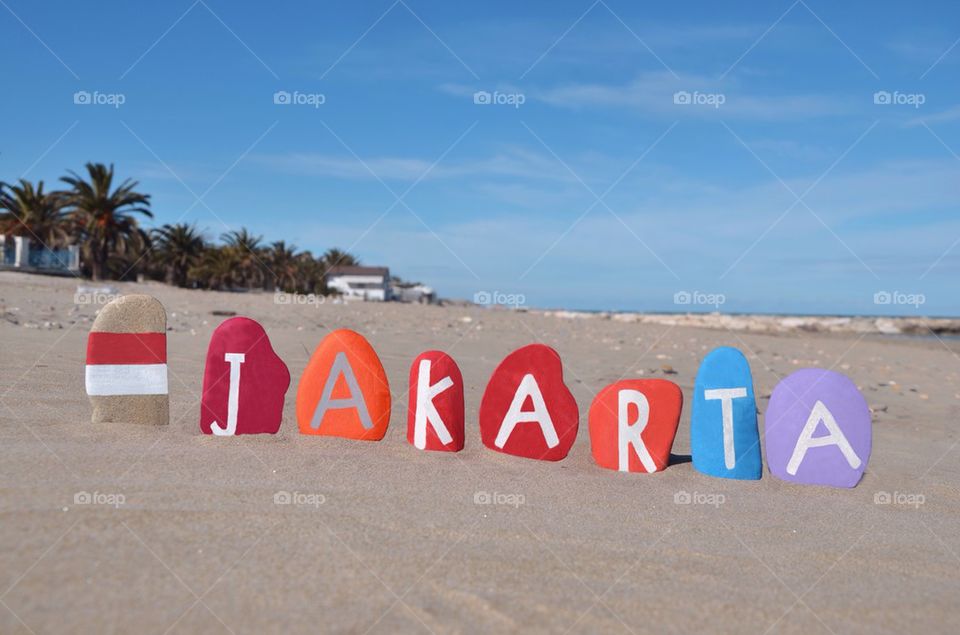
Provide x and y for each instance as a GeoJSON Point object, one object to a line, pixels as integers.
{"type": "Point", "coordinates": [350, 270]}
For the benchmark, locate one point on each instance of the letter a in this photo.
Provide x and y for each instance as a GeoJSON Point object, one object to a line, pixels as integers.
{"type": "Point", "coordinates": [233, 398]}
{"type": "Point", "coordinates": [426, 411]}
{"type": "Point", "coordinates": [807, 440]}
{"type": "Point", "coordinates": [528, 388]}
{"type": "Point", "coordinates": [341, 366]}
{"type": "Point", "coordinates": [726, 397]}
{"type": "Point", "coordinates": [629, 433]}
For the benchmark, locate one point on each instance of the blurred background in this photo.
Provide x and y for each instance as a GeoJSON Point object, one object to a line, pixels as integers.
{"type": "Point", "coordinates": [789, 157]}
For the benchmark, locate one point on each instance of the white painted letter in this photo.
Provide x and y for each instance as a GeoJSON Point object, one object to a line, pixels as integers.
{"type": "Point", "coordinates": [726, 397]}
{"type": "Point", "coordinates": [528, 388]}
{"type": "Point", "coordinates": [341, 366]}
{"type": "Point", "coordinates": [425, 410]}
{"type": "Point", "coordinates": [629, 433]}
{"type": "Point", "coordinates": [807, 440]}
{"type": "Point", "coordinates": [233, 399]}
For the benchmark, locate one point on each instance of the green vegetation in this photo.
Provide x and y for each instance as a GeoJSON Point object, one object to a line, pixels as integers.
{"type": "Point", "coordinates": [105, 221]}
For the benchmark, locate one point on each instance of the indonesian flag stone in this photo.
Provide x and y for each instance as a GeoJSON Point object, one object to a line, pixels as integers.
{"type": "Point", "coordinates": [126, 371]}
{"type": "Point", "coordinates": [344, 391]}
{"type": "Point", "coordinates": [633, 423]}
{"type": "Point", "coordinates": [244, 381]}
{"type": "Point", "coordinates": [435, 405]}
{"type": "Point", "coordinates": [526, 409]}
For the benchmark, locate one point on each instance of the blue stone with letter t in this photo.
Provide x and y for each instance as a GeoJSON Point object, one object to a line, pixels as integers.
{"type": "Point", "coordinates": [724, 439]}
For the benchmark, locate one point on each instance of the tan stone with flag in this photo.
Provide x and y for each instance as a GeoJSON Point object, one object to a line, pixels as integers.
{"type": "Point", "coordinates": [126, 370]}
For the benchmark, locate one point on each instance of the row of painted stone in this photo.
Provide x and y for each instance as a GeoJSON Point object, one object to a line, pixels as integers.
{"type": "Point", "coordinates": [526, 409]}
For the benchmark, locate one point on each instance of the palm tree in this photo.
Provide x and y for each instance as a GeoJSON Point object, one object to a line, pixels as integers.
{"type": "Point", "coordinates": [247, 251]}
{"type": "Point", "coordinates": [284, 266]}
{"type": "Point", "coordinates": [105, 216]}
{"type": "Point", "coordinates": [309, 274]}
{"type": "Point", "coordinates": [338, 258]}
{"type": "Point", "coordinates": [29, 211]}
{"type": "Point", "coordinates": [177, 249]}
{"type": "Point", "coordinates": [217, 269]}
{"type": "Point", "coordinates": [124, 263]}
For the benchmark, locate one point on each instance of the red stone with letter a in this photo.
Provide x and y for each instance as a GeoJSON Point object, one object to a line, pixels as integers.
{"type": "Point", "coordinates": [526, 409]}
{"type": "Point", "coordinates": [435, 406]}
{"type": "Point", "coordinates": [244, 381]}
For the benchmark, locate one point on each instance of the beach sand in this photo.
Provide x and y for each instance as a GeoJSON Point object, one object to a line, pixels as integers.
{"type": "Point", "coordinates": [388, 539]}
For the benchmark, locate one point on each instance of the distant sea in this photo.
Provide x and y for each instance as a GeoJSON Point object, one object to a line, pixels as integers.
{"type": "Point", "coordinates": [763, 313]}
{"type": "Point", "coordinates": [911, 336]}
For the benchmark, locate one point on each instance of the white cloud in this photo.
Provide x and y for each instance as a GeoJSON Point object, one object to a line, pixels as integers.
{"type": "Point", "coordinates": [513, 161]}
{"type": "Point", "coordinates": [895, 215]}
{"type": "Point", "coordinates": [346, 167]}
{"type": "Point", "coordinates": [653, 93]}
{"type": "Point", "coordinates": [950, 114]}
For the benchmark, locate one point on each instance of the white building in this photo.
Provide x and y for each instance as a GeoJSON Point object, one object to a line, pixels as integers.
{"type": "Point", "coordinates": [366, 283]}
{"type": "Point", "coordinates": [419, 293]}
{"type": "Point", "coordinates": [20, 253]}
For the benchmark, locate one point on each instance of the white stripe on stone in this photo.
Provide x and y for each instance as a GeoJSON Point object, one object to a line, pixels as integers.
{"type": "Point", "coordinates": [126, 379]}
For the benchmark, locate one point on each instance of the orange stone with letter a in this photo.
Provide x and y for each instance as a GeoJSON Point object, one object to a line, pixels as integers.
{"type": "Point", "coordinates": [344, 391]}
{"type": "Point", "coordinates": [633, 423]}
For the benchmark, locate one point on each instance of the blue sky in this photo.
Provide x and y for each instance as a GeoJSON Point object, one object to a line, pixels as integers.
{"type": "Point", "coordinates": [782, 187]}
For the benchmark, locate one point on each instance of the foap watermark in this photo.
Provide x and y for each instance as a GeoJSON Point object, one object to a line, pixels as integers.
{"type": "Point", "coordinates": [296, 98]}
{"type": "Point", "coordinates": [96, 98]}
{"type": "Point", "coordinates": [496, 98]}
{"type": "Point", "coordinates": [497, 298]}
{"type": "Point", "coordinates": [96, 297]}
{"type": "Point", "coordinates": [899, 298]}
{"type": "Point", "coordinates": [696, 98]}
{"type": "Point", "coordinates": [279, 297]}
{"type": "Point", "coordinates": [301, 499]}
{"type": "Point", "coordinates": [699, 298]}
{"type": "Point", "coordinates": [499, 498]}
{"type": "Point", "coordinates": [104, 499]}
{"type": "Point", "coordinates": [896, 98]}
{"type": "Point", "coordinates": [684, 497]}
{"type": "Point", "coordinates": [907, 499]}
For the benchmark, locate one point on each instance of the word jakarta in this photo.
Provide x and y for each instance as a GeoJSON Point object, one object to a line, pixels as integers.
{"type": "Point", "coordinates": [817, 427]}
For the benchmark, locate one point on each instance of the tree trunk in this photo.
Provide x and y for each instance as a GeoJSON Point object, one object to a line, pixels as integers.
{"type": "Point", "coordinates": [100, 263]}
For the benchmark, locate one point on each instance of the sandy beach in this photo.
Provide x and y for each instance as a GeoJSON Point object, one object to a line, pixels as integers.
{"type": "Point", "coordinates": [182, 532]}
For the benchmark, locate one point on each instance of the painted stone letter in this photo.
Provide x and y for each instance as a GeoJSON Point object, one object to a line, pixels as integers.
{"type": "Point", "coordinates": [818, 429]}
{"type": "Point", "coordinates": [435, 404]}
{"type": "Point", "coordinates": [724, 439]}
{"type": "Point", "coordinates": [633, 423]}
{"type": "Point", "coordinates": [244, 381]}
{"type": "Point", "coordinates": [526, 409]}
{"type": "Point", "coordinates": [344, 391]}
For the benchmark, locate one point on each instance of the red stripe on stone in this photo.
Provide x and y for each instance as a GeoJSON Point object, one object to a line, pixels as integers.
{"type": "Point", "coordinates": [127, 348]}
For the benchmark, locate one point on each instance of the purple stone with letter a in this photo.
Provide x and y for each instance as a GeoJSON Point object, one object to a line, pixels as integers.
{"type": "Point", "coordinates": [818, 429]}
